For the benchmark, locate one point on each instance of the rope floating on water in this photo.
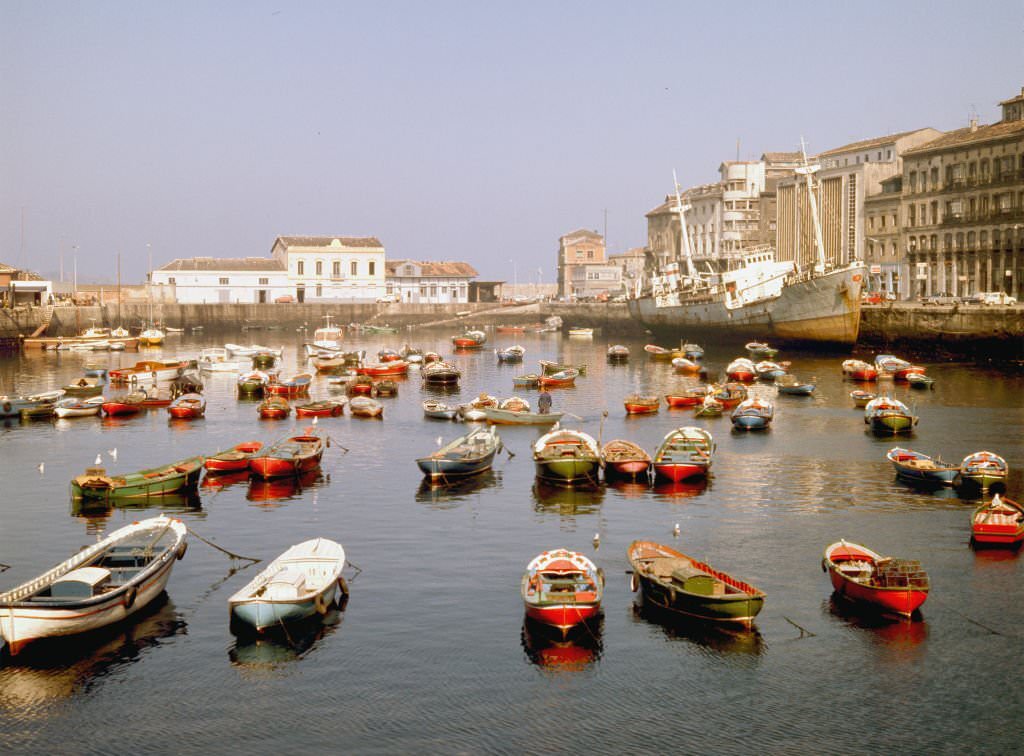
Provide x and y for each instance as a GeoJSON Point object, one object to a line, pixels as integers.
{"type": "Point", "coordinates": [220, 548]}
{"type": "Point", "coordinates": [4, 567]}
{"type": "Point", "coordinates": [803, 630]}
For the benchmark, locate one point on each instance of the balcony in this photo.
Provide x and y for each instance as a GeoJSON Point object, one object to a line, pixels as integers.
{"type": "Point", "coordinates": [1006, 215]}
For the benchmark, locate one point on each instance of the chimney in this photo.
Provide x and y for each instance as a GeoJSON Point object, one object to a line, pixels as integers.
{"type": "Point", "coordinates": [974, 124]}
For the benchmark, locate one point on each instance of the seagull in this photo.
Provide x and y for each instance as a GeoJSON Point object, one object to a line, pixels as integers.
{"type": "Point", "coordinates": [314, 419]}
{"type": "Point", "coordinates": [42, 467]}
{"type": "Point", "coordinates": [675, 530]}
{"type": "Point", "coordinates": [113, 453]}
{"type": "Point", "coordinates": [597, 540]}
{"type": "Point", "coordinates": [99, 459]}
{"type": "Point", "coordinates": [438, 440]}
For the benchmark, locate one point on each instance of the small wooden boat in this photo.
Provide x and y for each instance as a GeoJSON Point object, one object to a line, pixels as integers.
{"type": "Point", "coordinates": [360, 385]}
{"type": "Point", "coordinates": [753, 414]}
{"type": "Point", "coordinates": [303, 581]}
{"type": "Point", "coordinates": [768, 371]}
{"type": "Point", "coordinates": [388, 355]}
{"type": "Point", "coordinates": [858, 370]}
{"type": "Point", "coordinates": [187, 407]}
{"type": "Point", "coordinates": [893, 585]}
{"type": "Point", "coordinates": [330, 364]}
{"type": "Point", "coordinates": [438, 410]}
{"type": "Point", "coordinates": [895, 367]}
{"type": "Point", "coordinates": [470, 414]}
{"type": "Point", "coordinates": [412, 355]}
{"type": "Point", "coordinates": [984, 468]}
{"type": "Point", "coordinates": [529, 380]}
{"type": "Point", "coordinates": [41, 411]}
{"type": "Point", "coordinates": [710, 407]}
{"type": "Point", "coordinates": [252, 384]}
{"type": "Point", "coordinates": [731, 394]}
{"type": "Point", "coordinates": [290, 456]}
{"type": "Point", "coordinates": [562, 589]}
{"type": "Point", "coordinates": [561, 379]}
{"type": "Point", "coordinates": [692, 351]}
{"type": "Point", "coordinates": [95, 484]}
{"type": "Point", "coordinates": [470, 454]}
{"type": "Point", "coordinates": [672, 581]}
{"type": "Point", "coordinates": [151, 337]}
{"type": "Point", "coordinates": [686, 366]}
{"type": "Point", "coordinates": [861, 397]}
{"type": "Point", "coordinates": [920, 381]}
{"type": "Point", "coordinates": [618, 353]}
{"type": "Point", "coordinates": [741, 370]}
{"type": "Point", "coordinates": [513, 353]}
{"type": "Point", "coordinates": [385, 387]}
{"type": "Point", "coordinates": [132, 404]}
{"type": "Point", "coordinates": [790, 384]}
{"type": "Point", "coordinates": [148, 371]}
{"type": "Point", "coordinates": [296, 385]}
{"type": "Point", "coordinates": [625, 459]}
{"type": "Point", "coordinates": [440, 373]}
{"type": "Point", "coordinates": [364, 406]}
{"type": "Point", "coordinates": [684, 453]}
{"type": "Point", "coordinates": [690, 397]}
{"type": "Point", "coordinates": [328, 336]}
{"type": "Point", "coordinates": [586, 333]}
{"type": "Point", "coordinates": [325, 408]}
{"type": "Point", "coordinates": [505, 416]}
{"type": "Point", "coordinates": [509, 329]}
{"type": "Point", "coordinates": [274, 408]}
{"type": "Point", "coordinates": [429, 357]}
{"type": "Point", "coordinates": [217, 360]}
{"type": "Point", "coordinates": [661, 354]}
{"type": "Point", "coordinates": [916, 467]}
{"type": "Point", "coordinates": [550, 368]}
{"type": "Point", "coordinates": [1000, 522]}
{"type": "Point", "coordinates": [758, 349]}
{"type": "Point", "coordinates": [87, 385]}
{"type": "Point", "coordinates": [567, 457]}
{"type": "Point", "coordinates": [78, 407]}
{"type": "Point", "coordinates": [102, 584]}
{"type": "Point", "coordinates": [637, 404]}
{"type": "Point", "coordinates": [264, 360]}
{"type": "Point", "coordinates": [235, 459]}
{"type": "Point", "coordinates": [382, 369]}
{"type": "Point", "coordinates": [472, 339]}
{"type": "Point", "coordinates": [887, 415]}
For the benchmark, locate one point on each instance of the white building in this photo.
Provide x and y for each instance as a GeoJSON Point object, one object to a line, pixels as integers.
{"type": "Point", "coordinates": [332, 267]}
{"type": "Point", "coordinates": [590, 281]}
{"type": "Point", "coordinates": [429, 282]}
{"type": "Point", "coordinates": [207, 280]}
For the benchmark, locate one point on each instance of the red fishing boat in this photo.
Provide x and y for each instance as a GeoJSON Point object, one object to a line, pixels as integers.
{"type": "Point", "coordinates": [1000, 522]}
{"type": "Point", "coordinates": [625, 459]}
{"type": "Point", "coordinates": [125, 405]}
{"type": "Point", "coordinates": [235, 459]}
{"type": "Point", "coordinates": [898, 586]}
{"type": "Point", "coordinates": [388, 355]}
{"type": "Point", "coordinates": [320, 409]}
{"type": "Point", "coordinates": [378, 369]}
{"type": "Point", "coordinates": [731, 394]}
{"type": "Point", "coordinates": [690, 397]}
{"type": "Point", "coordinates": [360, 385]}
{"type": "Point", "coordinates": [858, 370]}
{"type": "Point", "coordinates": [291, 456]}
{"type": "Point", "coordinates": [641, 405]}
{"type": "Point", "coordinates": [274, 408]}
{"type": "Point", "coordinates": [562, 589]}
{"type": "Point", "coordinates": [561, 379]}
{"type": "Point", "coordinates": [686, 366]}
{"type": "Point", "coordinates": [469, 340]}
{"type": "Point", "coordinates": [187, 407]}
{"type": "Point", "coordinates": [742, 370]}
{"type": "Point", "coordinates": [684, 453]}
{"type": "Point", "coordinates": [297, 385]}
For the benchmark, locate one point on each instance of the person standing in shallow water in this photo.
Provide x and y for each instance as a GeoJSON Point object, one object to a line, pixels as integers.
{"type": "Point", "coordinates": [544, 402]}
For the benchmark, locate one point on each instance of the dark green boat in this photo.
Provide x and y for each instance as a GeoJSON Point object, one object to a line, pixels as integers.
{"type": "Point", "coordinates": [676, 583]}
{"type": "Point", "coordinates": [95, 483]}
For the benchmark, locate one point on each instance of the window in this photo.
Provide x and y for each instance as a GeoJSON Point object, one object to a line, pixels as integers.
{"type": "Point", "coordinates": [170, 280]}
{"type": "Point", "coordinates": [590, 254]}
{"type": "Point", "coordinates": [300, 268]}
{"type": "Point", "coordinates": [935, 178]}
{"type": "Point", "coordinates": [423, 291]}
{"type": "Point", "coordinates": [373, 267]}
{"type": "Point", "coordinates": [354, 268]}
{"type": "Point", "coordinates": [264, 282]}
{"type": "Point", "coordinates": [433, 290]}
{"type": "Point", "coordinates": [336, 269]}
{"type": "Point", "coordinates": [319, 267]}
{"type": "Point", "coordinates": [223, 282]}
{"type": "Point", "coordinates": [913, 181]}
{"type": "Point", "coordinates": [879, 155]}
{"type": "Point", "coordinates": [319, 290]}
{"type": "Point", "coordinates": [888, 154]}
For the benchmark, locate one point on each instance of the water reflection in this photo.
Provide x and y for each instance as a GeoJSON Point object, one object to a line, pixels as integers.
{"type": "Point", "coordinates": [50, 670]}
{"type": "Point", "coordinates": [709, 635]}
{"type": "Point", "coordinates": [546, 648]}
{"type": "Point", "coordinates": [887, 629]}
{"type": "Point", "coordinates": [630, 489]}
{"type": "Point", "coordinates": [97, 512]}
{"type": "Point", "coordinates": [217, 481]}
{"type": "Point", "coordinates": [450, 495]}
{"type": "Point", "coordinates": [286, 644]}
{"type": "Point", "coordinates": [684, 489]}
{"type": "Point", "coordinates": [548, 498]}
{"type": "Point", "coordinates": [277, 490]}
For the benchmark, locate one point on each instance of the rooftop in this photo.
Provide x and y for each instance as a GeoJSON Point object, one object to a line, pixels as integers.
{"type": "Point", "coordinates": [329, 241]}
{"type": "Point", "coordinates": [995, 131]}
{"type": "Point", "coordinates": [868, 144]}
{"type": "Point", "coordinates": [236, 264]}
{"type": "Point", "coordinates": [443, 269]}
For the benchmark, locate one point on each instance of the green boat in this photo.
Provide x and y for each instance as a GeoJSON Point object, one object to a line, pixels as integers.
{"type": "Point", "coordinates": [95, 483]}
{"type": "Point", "coordinates": [679, 584]}
{"type": "Point", "coordinates": [263, 360]}
{"type": "Point", "coordinates": [567, 457]}
{"type": "Point", "coordinates": [550, 368]}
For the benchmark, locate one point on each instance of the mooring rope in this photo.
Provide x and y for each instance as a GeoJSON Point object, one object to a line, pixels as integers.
{"type": "Point", "coordinates": [220, 548]}
{"type": "Point", "coordinates": [803, 630]}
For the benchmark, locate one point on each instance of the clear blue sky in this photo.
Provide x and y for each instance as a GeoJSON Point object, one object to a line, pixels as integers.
{"type": "Point", "coordinates": [450, 130]}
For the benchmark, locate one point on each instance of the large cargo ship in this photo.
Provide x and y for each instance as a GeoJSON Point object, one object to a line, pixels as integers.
{"type": "Point", "coordinates": [762, 298]}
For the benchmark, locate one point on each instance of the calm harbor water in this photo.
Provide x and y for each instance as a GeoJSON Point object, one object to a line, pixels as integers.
{"type": "Point", "coordinates": [430, 653]}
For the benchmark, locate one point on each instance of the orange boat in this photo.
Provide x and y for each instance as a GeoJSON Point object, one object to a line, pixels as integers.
{"type": "Point", "coordinates": [378, 369]}
{"type": "Point", "coordinates": [641, 405]}
{"type": "Point", "coordinates": [274, 408]}
{"type": "Point", "coordinates": [561, 379]}
{"type": "Point", "coordinates": [1000, 522]}
{"type": "Point", "coordinates": [898, 586]}
{"type": "Point", "coordinates": [235, 459]}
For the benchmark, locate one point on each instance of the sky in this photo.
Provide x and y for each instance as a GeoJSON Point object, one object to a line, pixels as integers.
{"type": "Point", "coordinates": [472, 131]}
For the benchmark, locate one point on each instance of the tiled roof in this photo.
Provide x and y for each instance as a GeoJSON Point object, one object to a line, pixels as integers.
{"type": "Point", "coordinates": [868, 144]}
{"type": "Point", "coordinates": [7, 268]}
{"type": "Point", "coordinates": [326, 241]}
{"type": "Point", "coordinates": [782, 157]}
{"type": "Point", "coordinates": [443, 269]}
{"type": "Point", "coordinates": [1018, 98]}
{"type": "Point", "coordinates": [1001, 130]}
{"type": "Point", "coordinates": [239, 264]}
{"type": "Point", "coordinates": [582, 232]}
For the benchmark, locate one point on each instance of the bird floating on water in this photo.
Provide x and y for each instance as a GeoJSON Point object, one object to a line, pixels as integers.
{"type": "Point", "coordinates": [42, 467]}
{"type": "Point", "coordinates": [675, 530]}
{"type": "Point", "coordinates": [597, 540]}
{"type": "Point", "coordinates": [99, 459]}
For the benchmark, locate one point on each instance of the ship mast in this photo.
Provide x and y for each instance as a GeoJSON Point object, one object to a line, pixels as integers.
{"type": "Point", "coordinates": [807, 170]}
{"type": "Point", "coordinates": [684, 238]}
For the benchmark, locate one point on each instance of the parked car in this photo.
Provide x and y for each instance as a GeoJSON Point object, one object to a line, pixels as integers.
{"type": "Point", "coordinates": [992, 298]}
{"type": "Point", "coordinates": [944, 298]}
{"type": "Point", "coordinates": [388, 299]}
{"type": "Point", "coordinates": [285, 299]}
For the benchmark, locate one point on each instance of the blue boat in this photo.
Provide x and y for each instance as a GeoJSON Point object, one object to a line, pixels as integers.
{"type": "Point", "coordinates": [753, 414]}
{"type": "Point", "coordinates": [790, 384]}
{"type": "Point", "coordinates": [920, 468]}
{"type": "Point", "coordinates": [303, 581]}
{"type": "Point", "coordinates": [470, 454]}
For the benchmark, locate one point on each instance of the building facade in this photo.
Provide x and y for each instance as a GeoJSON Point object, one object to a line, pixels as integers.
{"type": "Point", "coordinates": [962, 208]}
{"type": "Point", "coordinates": [332, 268]}
{"type": "Point", "coordinates": [595, 281]}
{"type": "Point", "coordinates": [887, 271]}
{"type": "Point", "coordinates": [848, 176]}
{"type": "Point", "coordinates": [428, 282]}
{"type": "Point", "coordinates": [578, 248]}
{"type": "Point", "coordinates": [208, 280]}
{"type": "Point", "coordinates": [630, 264]}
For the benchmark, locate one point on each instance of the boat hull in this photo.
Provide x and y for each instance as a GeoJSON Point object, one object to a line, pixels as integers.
{"type": "Point", "coordinates": [568, 471]}
{"type": "Point", "coordinates": [281, 467]}
{"type": "Point", "coordinates": [901, 601]}
{"type": "Point", "coordinates": [266, 615]}
{"type": "Point", "coordinates": [824, 309]}
{"type": "Point", "coordinates": [678, 471]}
{"type": "Point", "coordinates": [894, 423]}
{"type": "Point", "coordinates": [726, 610]}
{"type": "Point", "coordinates": [563, 617]}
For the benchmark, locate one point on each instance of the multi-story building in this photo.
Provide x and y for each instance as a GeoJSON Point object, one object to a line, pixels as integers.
{"type": "Point", "coordinates": [887, 272]}
{"type": "Point", "coordinates": [199, 280]}
{"type": "Point", "coordinates": [595, 281]}
{"type": "Point", "coordinates": [575, 249]}
{"type": "Point", "coordinates": [428, 282]}
{"type": "Point", "coordinates": [347, 268]}
{"type": "Point", "coordinates": [848, 175]}
{"type": "Point", "coordinates": [630, 264]}
{"type": "Point", "coordinates": [962, 208]}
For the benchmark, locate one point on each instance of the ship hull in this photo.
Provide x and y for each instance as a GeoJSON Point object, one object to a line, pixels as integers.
{"type": "Point", "coordinates": [824, 309]}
